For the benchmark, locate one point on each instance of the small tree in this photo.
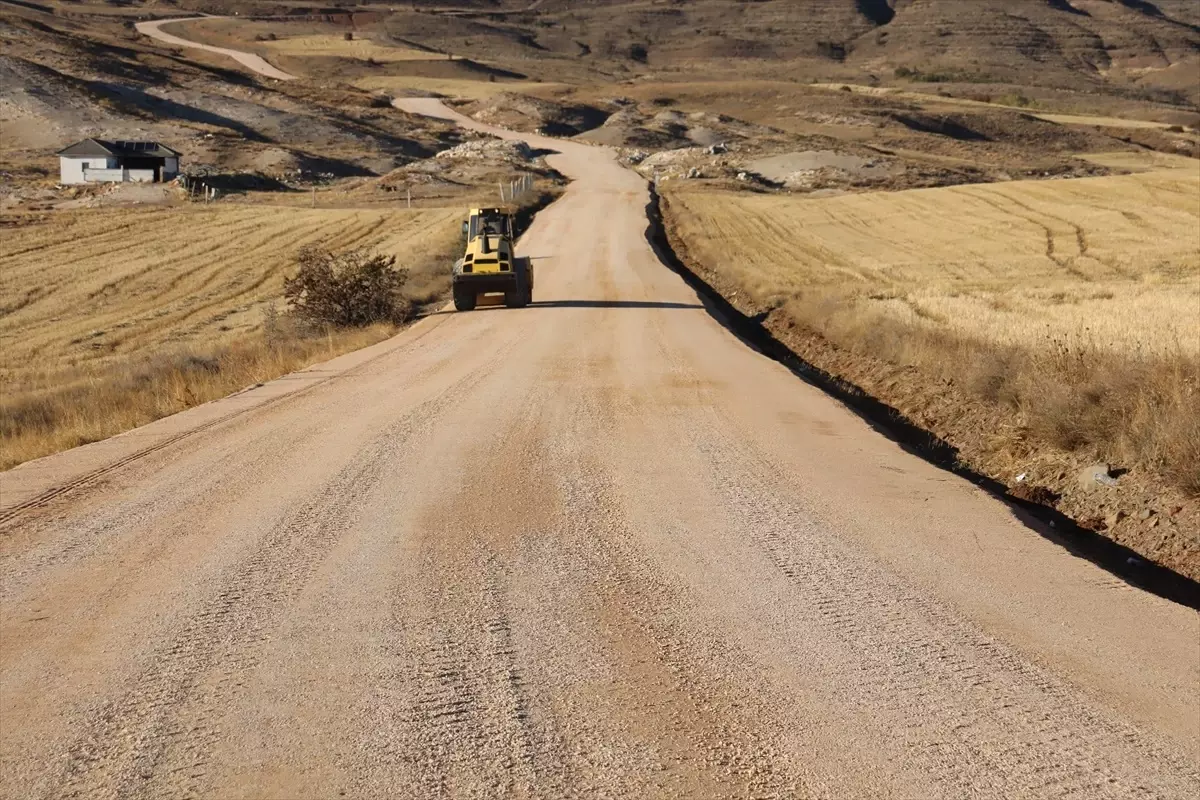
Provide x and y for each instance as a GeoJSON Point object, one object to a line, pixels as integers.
{"type": "Point", "coordinates": [351, 289]}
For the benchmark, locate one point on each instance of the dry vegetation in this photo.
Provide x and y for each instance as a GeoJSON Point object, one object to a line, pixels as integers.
{"type": "Point", "coordinates": [115, 318]}
{"type": "Point", "coordinates": [340, 47]}
{"type": "Point", "coordinates": [1073, 304]}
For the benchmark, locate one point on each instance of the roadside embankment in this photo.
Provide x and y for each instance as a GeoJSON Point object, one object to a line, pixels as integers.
{"type": "Point", "coordinates": [1047, 348]}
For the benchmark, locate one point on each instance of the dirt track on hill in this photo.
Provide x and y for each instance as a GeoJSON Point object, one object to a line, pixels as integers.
{"type": "Point", "coordinates": [251, 61]}
{"type": "Point", "coordinates": [596, 547]}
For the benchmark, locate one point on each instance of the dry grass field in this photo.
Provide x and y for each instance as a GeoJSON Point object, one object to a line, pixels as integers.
{"type": "Point", "coordinates": [464, 88]}
{"type": "Point", "coordinates": [112, 318]}
{"type": "Point", "coordinates": [1075, 303]}
{"type": "Point", "coordinates": [934, 101]}
{"type": "Point", "coordinates": [1110, 262]}
{"type": "Point", "coordinates": [338, 46]}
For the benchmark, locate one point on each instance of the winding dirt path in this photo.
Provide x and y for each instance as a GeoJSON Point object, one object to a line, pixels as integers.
{"type": "Point", "coordinates": [250, 61]}
{"type": "Point", "coordinates": [596, 547]}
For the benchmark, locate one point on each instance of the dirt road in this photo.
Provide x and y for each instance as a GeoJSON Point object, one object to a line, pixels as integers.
{"type": "Point", "coordinates": [593, 548]}
{"type": "Point", "coordinates": [253, 62]}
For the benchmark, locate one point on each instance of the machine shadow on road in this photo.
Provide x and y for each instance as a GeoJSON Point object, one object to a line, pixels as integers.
{"type": "Point", "coordinates": [1049, 523]}
{"type": "Point", "coordinates": [584, 304]}
{"type": "Point", "coordinates": [611, 304]}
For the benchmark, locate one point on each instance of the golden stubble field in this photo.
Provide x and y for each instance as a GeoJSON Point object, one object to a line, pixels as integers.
{"type": "Point", "coordinates": [112, 318]}
{"type": "Point", "coordinates": [1073, 306]}
{"type": "Point", "coordinates": [1110, 262]}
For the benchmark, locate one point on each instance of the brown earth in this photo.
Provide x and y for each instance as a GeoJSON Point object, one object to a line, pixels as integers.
{"type": "Point", "coordinates": [597, 544]}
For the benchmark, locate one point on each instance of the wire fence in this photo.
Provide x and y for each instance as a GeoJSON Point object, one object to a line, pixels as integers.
{"type": "Point", "coordinates": [198, 190]}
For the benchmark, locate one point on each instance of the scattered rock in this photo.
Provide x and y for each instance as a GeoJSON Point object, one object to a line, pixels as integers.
{"type": "Point", "coordinates": [1096, 474]}
{"type": "Point", "coordinates": [1113, 519]}
{"type": "Point", "coordinates": [1145, 514]}
{"type": "Point", "coordinates": [497, 149]}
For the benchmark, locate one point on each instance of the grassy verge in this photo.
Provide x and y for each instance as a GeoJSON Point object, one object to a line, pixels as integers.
{"type": "Point", "coordinates": [95, 403]}
{"type": "Point", "coordinates": [1133, 410]}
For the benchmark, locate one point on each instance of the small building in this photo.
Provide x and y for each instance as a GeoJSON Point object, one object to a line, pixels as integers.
{"type": "Point", "coordinates": [104, 160]}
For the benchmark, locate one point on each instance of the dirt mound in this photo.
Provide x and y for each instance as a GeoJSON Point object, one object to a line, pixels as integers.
{"type": "Point", "coordinates": [645, 127]}
{"type": "Point", "coordinates": [535, 115]}
{"type": "Point", "coordinates": [502, 150]}
{"type": "Point", "coordinates": [484, 161]}
{"type": "Point", "coordinates": [791, 168]}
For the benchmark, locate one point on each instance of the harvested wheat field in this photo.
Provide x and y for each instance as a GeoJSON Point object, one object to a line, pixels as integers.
{"type": "Point", "coordinates": [1108, 262]}
{"type": "Point", "coordinates": [464, 88]}
{"type": "Point", "coordinates": [149, 311]}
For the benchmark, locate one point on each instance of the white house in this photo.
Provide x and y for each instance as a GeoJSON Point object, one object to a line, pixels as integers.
{"type": "Point", "coordinates": [102, 160]}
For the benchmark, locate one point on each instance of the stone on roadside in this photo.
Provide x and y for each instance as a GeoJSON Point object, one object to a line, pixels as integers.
{"type": "Point", "coordinates": [1096, 475]}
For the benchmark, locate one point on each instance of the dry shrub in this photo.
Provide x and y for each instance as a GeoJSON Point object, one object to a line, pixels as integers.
{"type": "Point", "coordinates": [347, 290]}
{"type": "Point", "coordinates": [1125, 408]}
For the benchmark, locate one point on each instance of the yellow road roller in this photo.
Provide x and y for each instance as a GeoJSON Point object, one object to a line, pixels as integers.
{"type": "Point", "coordinates": [489, 272]}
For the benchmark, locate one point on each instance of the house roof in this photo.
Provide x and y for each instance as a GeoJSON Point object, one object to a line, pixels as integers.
{"type": "Point", "coordinates": [119, 148]}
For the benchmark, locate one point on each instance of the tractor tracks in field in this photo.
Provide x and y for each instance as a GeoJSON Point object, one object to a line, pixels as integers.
{"type": "Point", "coordinates": [1054, 247]}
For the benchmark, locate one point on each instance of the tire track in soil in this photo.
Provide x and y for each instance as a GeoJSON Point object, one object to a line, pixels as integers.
{"type": "Point", "coordinates": [455, 697]}
{"type": "Point", "coordinates": [975, 714]}
{"type": "Point", "coordinates": [129, 748]}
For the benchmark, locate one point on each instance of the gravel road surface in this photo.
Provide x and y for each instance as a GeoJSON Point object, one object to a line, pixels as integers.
{"type": "Point", "coordinates": [597, 547]}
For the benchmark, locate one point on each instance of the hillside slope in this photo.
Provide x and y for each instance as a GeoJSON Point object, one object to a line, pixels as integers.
{"type": "Point", "coordinates": [1133, 47]}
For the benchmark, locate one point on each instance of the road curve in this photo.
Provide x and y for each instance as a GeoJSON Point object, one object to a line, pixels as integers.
{"type": "Point", "coordinates": [596, 547]}
{"type": "Point", "coordinates": [250, 61]}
